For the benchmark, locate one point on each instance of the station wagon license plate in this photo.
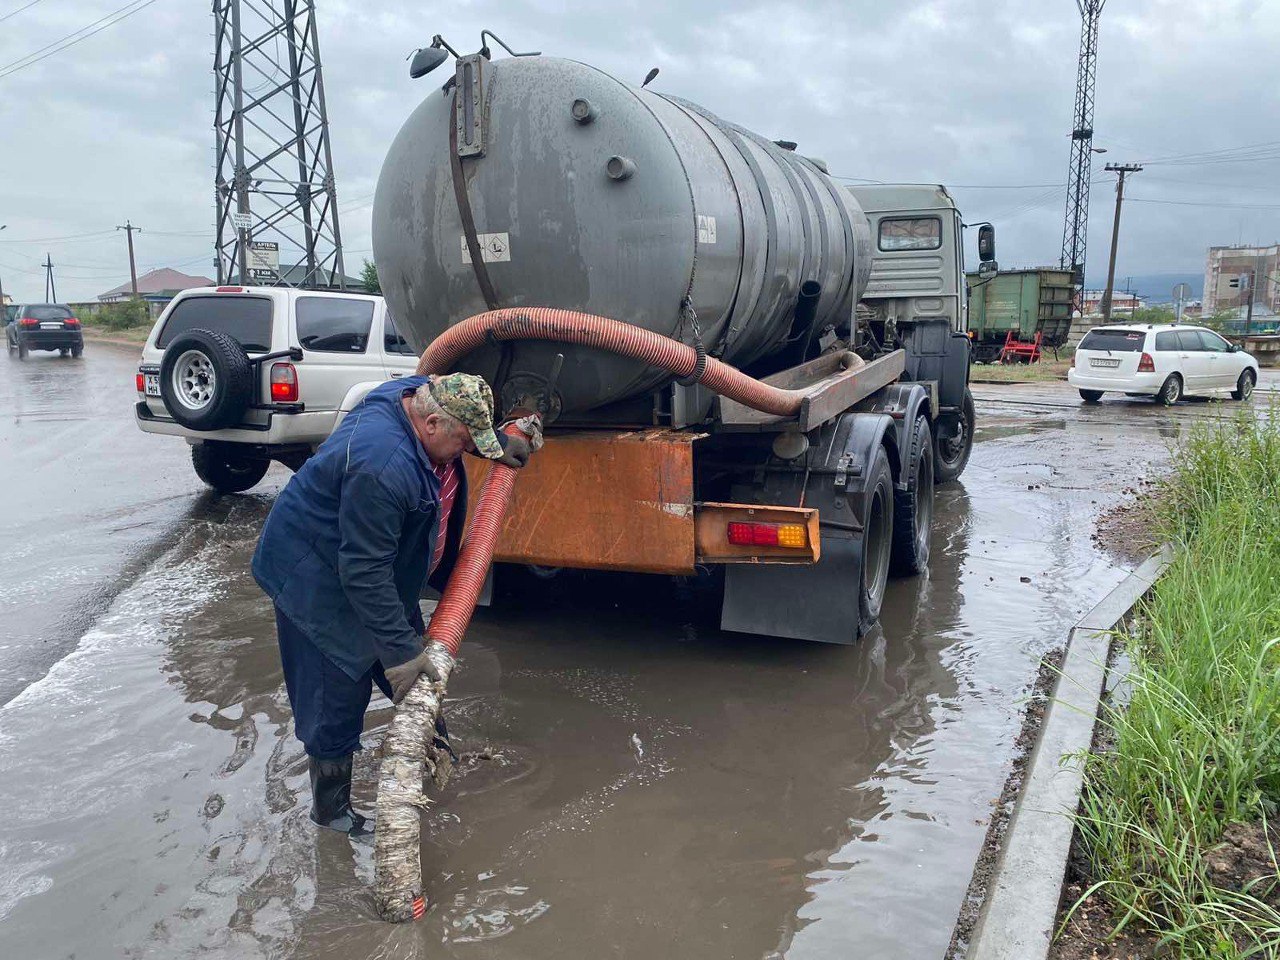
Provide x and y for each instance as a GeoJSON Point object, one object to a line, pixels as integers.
{"type": "Point", "coordinates": [1098, 362]}
{"type": "Point", "coordinates": [153, 384]}
{"type": "Point", "coordinates": [50, 326]}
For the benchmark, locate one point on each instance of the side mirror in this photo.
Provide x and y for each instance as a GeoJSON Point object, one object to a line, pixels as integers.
{"type": "Point", "coordinates": [1233, 348]}
{"type": "Point", "coordinates": [987, 243]}
{"type": "Point", "coordinates": [426, 60]}
{"type": "Point", "coordinates": [988, 268]}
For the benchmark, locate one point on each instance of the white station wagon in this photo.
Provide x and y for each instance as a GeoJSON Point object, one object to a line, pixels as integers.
{"type": "Point", "coordinates": [247, 375]}
{"type": "Point", "coordinates": [1163, 361]}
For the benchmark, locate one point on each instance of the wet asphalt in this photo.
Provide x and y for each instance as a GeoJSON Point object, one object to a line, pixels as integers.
{"type": "Point", "coordinates": [636, 783]}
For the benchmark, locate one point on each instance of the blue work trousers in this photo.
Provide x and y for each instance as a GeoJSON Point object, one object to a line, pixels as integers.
{"type": "Point", "coordinates": [328, 706]}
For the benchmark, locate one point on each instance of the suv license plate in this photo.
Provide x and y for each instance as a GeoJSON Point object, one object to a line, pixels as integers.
{"type": "Point", "coordinates": [1095, 362]}
{"type": "Point", "coordinates": [153, 384]}
{"type": "Point", "coordinates": [50, 326]}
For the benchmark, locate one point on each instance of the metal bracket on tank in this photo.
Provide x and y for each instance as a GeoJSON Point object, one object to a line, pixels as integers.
{"type": "Point", "coordinates": [469, 116]}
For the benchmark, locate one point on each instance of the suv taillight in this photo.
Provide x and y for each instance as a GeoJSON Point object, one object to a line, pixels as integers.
{"type": "Point", "coordinates": [1146, 364]}
{"type": "Point", "coordinates": [71, 321]}
{"type": "Point", "coordinates": [28, 322]}
{"type": "Point", "coordinates": [140, 382]}
{"type": "Point", "coordinates": [284, 383]}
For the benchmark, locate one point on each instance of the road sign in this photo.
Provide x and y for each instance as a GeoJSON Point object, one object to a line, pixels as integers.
{"type": "Point", "coordinates": [242, 221]}
{"type": "Point", "coordinates": [264, 260]}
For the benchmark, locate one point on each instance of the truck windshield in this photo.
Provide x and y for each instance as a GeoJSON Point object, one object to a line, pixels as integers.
{"type": "Point", "coordinates": [248, 319]}
{"type": "Point", "coordinates": [1124, 340]}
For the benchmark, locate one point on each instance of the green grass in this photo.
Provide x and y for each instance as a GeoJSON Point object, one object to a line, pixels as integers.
{"type": "Point", "coordinates": [116, 317]}
{"type": "Point", "coordinates": [1047, 369]}
{"type": "Point", "coordinates": [1198, 745]}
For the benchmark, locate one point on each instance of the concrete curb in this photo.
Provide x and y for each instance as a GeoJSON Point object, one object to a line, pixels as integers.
{"type": "Point", "coordinates": [1021, 906]}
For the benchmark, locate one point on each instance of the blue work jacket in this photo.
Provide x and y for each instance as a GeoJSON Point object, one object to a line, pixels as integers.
{"type": "Point", "coordinates": [347, 547]}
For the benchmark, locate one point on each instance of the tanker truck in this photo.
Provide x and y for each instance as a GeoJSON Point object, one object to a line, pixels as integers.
{"type": "Point", "coordinates": [527, 187]}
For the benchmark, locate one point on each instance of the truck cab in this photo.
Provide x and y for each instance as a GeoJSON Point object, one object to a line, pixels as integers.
{"type": "Point", "coordinates": [917, 299]}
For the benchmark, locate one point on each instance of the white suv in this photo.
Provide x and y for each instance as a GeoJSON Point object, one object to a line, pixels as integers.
{"type": "Point", "coordinates": [1164, 361]}
{"type": "Point", "coordinates": [248, 375]}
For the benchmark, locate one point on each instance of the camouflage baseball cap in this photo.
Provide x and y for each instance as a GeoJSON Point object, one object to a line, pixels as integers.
{"type": "Point", "coordinates": [468, 398]}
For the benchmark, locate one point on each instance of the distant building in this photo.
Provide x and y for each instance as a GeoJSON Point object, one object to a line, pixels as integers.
{"type": "Point", "coordinates": [158, 286]}
{"type": "Point", "coordinates": [1224, 264]}
{"type": "Point", "coordinates": [1121, 302]}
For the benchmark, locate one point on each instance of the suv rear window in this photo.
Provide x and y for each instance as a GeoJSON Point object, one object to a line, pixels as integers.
{"type": "Point", "coordinates": [48, 311]}
{"type": "Point", "coordinates": [333, 324]}
{"type": "Point", "coordinates": [1130, 341]}
{"type": "Point", "coordinates": [248, 319]}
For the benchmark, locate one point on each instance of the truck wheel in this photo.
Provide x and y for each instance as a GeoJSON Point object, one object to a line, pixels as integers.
{"type": "Point", "coordinates": [877, 540]}
{"type": "Point", "coordinates": [913, 507]}
{"type": "Point", "coordinates": [206, 380]}
{"type": "Point", "coordinates": [225, 468]}
{"type": "Point", "coordinates": [951, 454]}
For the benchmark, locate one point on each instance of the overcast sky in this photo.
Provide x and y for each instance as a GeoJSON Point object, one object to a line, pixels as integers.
{"type": "Point", "coordinates": [961, 92]}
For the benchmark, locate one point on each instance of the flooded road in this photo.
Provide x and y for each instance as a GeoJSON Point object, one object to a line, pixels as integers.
{"type": "Point", "coordinates": [639, 785]}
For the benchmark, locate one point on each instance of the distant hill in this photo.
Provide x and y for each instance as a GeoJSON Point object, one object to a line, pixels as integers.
{"type": "Point", "coordinates": [1155, 287]}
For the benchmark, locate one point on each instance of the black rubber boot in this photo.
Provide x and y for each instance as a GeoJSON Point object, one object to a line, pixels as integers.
{"type": "Point", "coordinates": [331, 797]}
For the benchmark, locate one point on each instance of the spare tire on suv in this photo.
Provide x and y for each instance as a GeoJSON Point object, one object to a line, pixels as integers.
{"type": "Point", "coordinates": [206, 380]}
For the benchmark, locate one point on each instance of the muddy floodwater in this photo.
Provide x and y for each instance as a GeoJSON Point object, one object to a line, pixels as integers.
{"type": "Point", "coordinates": [637, 783]}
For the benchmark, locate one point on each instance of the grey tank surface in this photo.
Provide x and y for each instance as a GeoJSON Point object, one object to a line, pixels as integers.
{"type": "Point", "coordinates": [594, 195]}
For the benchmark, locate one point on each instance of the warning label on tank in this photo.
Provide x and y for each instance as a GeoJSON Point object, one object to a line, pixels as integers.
{"type": "Point", "coordinates": [496, 247]}
{"type": "Point", "coordinates": [706, 229]}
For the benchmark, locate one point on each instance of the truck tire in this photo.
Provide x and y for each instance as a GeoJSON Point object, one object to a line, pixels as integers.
{"type": "Point", "coordinates": [206, 380]}
{"type": "Point", "coordinates": [877, 540]}
{"type": "Point", "coordinates": [225, 467]}
{"type": "Point", "coordinates": [913, 507]}
{"type": "Point", "coordinates": [951, 454]}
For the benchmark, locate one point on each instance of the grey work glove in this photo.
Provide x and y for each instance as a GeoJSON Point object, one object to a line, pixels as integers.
{"type": "Point", "coordinates": [516, 449]}
{"type": "Point", "coordinates": [402, 678]}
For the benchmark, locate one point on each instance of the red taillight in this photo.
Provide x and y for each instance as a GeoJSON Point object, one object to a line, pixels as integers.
{"type": "Point", "coordinates": [28, 322]}
{"type": "Point", "coordinates": [284, 383]}
{"type": "Point", "coordinates": [141, 383]}
{"type": "Point", "coordinates": [72, 321]}
{"type": "Point", "coordinates": [1146, 364]}
{"type": "Point", "coordinates": [767, 534]}
{"type": "Point", "coordinates": [229, 290]}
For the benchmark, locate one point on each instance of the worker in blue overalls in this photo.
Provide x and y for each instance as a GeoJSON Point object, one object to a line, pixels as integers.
{"type": "Point", "coordinates": [375, 515]}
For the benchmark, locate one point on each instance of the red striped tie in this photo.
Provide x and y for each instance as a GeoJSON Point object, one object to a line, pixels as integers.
{"type": "Point", "coordinates": [448, 476]}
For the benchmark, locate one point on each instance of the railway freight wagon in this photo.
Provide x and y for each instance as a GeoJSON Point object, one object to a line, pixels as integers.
{"type": "Point", "coordinates": [1026, 302]}
{"type": "Point", "coordinates": [607, 255]}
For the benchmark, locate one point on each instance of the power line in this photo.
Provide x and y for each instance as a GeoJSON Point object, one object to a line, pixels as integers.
{"type": "Point", "coordinates": [1202, 203]}
{"type": "Point", "coordinates": [14, 13]}
{"type": "Point", "coordinates": [76, 36]}
{"type": "Point", "coordinates": [74, 236]}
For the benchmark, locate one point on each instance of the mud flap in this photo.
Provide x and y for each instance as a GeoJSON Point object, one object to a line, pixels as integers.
{"type": "Point", "coordinates": [818, 603]}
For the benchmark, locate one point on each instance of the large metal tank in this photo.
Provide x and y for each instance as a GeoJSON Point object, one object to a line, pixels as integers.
{"type": "Point", "coordinates": [594, 195]}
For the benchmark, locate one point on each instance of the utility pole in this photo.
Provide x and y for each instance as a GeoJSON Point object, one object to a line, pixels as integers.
{"type": "Point", "coordinates": [128, 228]}
{"type": "Point", "coordinates": [1253, 287]}
{"type": "Point", "coordinates": [1121, 169]}
{"type": "Point", "coordinates": [49, 286]}
{"type": "Point", "coordinates": [3, 226]}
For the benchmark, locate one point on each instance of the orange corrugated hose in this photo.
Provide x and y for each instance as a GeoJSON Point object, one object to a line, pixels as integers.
{"type": "Point", "coordinates": [568, 326]}
{"type": "Point", "coordinates": [458, 602]}
{"type": "Point", "coordinates": [453, 613]}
